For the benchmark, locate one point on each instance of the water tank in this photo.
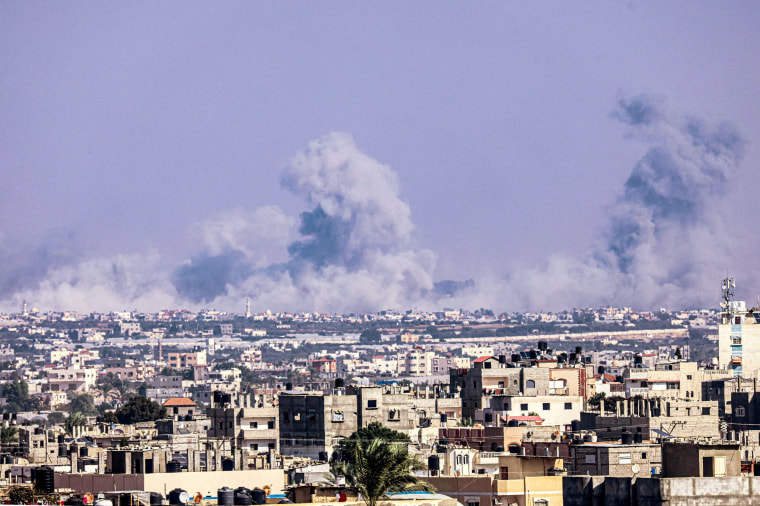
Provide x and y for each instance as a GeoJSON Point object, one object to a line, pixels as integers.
{"type": "Point", "coordinates": [228, 464]}
{"type": "Point", "coordinates": [156, 499]}
{"type": "Point", "coordinates": [626, 438]}
{"type": "Point", "coordinates": [6, 459]}
{"type": "Point", "coordinates": [434, 463]}
{"type": "Point", "coordinates": [242, 499]}
{"type": "Point", "coordinates": [74, 501]}
{"type": "Point", "coordinates": [638, 437]}
{"type": "Point", "coordinates": [61, 438]}
{"type": "Point", "coordinates": [225, 496]}
{"type": "Point", "coordinates": [756, 468]}
{"type": "Point", "coordinates": [178, 496]}
{"type": "Point", "coordinates": [44, 480]}
{"type": "Point", "coordinates": [288, 386]}
{"type": "Point", "coordinates": [575, 426]}
{"type": "Point", "coordinates": [515, 357]}
{"type": "Point", "coordinates": [601, 369]}
{"type": "Point", "coordinates": [103, 502]}
{"type": "Point", "coordinates": [323, 456]}
{"type": "Point", "coordinates": [444, 418]}
{"type": "Point", "coordinates": [533, 355]}
{"type": "Point", "coordinates": [502, 359]}
{"type": "Point", "coordinates": [173, 466]}
{"type": "Point", "coordinates": [543, 345]}
{"type": "Point", "coordinates": [63, 451]}
{"type": "Point", "coordinates": [339, 383]}
{"type": "Point", "coordinates": [259, 496]}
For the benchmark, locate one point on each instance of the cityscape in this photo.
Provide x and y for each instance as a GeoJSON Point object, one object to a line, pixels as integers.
{"type": "Point", "coordinates": [379, 254]}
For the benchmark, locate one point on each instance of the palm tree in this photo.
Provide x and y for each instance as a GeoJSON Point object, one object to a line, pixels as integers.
{"type": "Point", "coordinates": [381, 468]}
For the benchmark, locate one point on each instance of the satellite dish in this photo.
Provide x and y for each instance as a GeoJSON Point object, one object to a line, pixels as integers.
{"type": "Point", "coordinates": [184, 497]}
{"type": "Point", "coordinates": [635, 468]}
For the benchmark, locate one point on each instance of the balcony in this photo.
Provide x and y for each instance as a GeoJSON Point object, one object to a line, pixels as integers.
{"type": "Point", "coordinates": [634, 391]}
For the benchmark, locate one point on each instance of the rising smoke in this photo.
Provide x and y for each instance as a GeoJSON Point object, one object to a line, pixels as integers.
{"type": "Point", "coordinates": [664, 244]}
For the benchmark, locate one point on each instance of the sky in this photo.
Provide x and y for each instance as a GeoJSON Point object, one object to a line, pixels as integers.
{"type": "Point", "coordinates": [350, 156]}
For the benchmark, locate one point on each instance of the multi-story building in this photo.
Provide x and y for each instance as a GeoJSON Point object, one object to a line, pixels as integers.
{"type": "Point", "coordinates": [70, 378]}
{"type": "Point", "coordinates": [739, 339]}
{"type": "Point", "coordinates": [183, 360]}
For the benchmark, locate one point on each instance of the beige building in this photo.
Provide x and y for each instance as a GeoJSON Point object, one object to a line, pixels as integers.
{"type": "Point", "coordinates": [739, 340]}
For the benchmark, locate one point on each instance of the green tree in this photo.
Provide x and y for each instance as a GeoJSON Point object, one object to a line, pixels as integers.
{"type": "Point", "coordinates": [596, 400]}
{"type": "Point", "coordinates": [370, 336]}
{"type": "Point", "coordinates": [140, 409]}
{"type": "Point", "coordinates": [83, 404]}
{"type": "Point", "coordinates": [17, 397]}
{"type": "Point", "coordinates": [108, 417]}
{"type": "Point", "coordinates": [8, 435]}
{"type": "Point", "coordinates": [381, 468]}
{"type": "Point", "coordinates": [374, 430]}
{"type": "Point", "coordinates": [73, 421]}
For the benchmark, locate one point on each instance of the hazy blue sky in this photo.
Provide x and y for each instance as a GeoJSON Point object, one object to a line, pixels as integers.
{"type": "Point", "coordinates": [127, 128]}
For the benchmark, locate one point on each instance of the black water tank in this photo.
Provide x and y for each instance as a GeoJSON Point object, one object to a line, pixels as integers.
{"type": "Point", "coordinates": [626, 438]}
{"type": "Point", "coordinates": [533, 355]}
{"type": "Point", "coordinates": [217, 397]}
{"type": "Point", "coordinates": [74, 501]}
{"type": "Point", "coordinates": [444, 418]}
{"type": "Point", "coordinates": [638, 359]}
{"type": "Point", "coordinates": [288, 386]}
{"type": "Point", "coordinates": [225, 496]}
{"type": "Point", "coordinates": [638, 437]}
{"type": "Point", "coordinates": [339, 383]}
{"type": "Point", "coordinates": [177, 495]}
{"type": "Point", "coordinates": [543, 345]}
{"type": "Point", "coordinates": [601, 369]}
{"type": "Point", "coordinates": [173, 466]}
{"type": "Point", "coordinates": [433, 463]}
{"type": "Point", "coordinates": [502, 359]}
{"type": "Point", "coordinates": [44, 480]}
{"type": "Point", "coordinates": [63, 451]}
{"type": "Point", "coordinates": [515, 357]}
{"type": "Point", "coordinates": [228, 464]}
{"type": "Point", "coordinates": [756, 468]}
{"type": "Point", "coordinates": [156, 499]}
{"type": "Point", "coordinates": [61, 438]}
{"type": "Point", "coordinates": [259, 496]}
{"type": "Point", "coordinates": [242, 498]}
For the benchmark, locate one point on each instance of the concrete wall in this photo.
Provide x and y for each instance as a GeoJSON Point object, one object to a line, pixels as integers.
{"type": "Point", "coordinates": [206, 483]}
{"type": "Point", "coordinates": [729, 491]}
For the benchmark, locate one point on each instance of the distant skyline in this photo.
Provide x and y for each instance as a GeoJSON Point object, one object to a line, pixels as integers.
{"type": "Point", "coordinates": [348, 156]}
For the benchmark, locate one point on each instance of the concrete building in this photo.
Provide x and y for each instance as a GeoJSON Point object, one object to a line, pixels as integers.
{"type": "Point", "coordinates": [605, 459]}
{"type": "Point", "coordinates": [700, 459]}
{"type": "Point", "coordinates": [738, 337]}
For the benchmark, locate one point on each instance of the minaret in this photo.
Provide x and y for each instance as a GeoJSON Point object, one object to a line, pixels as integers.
{"type": "Point", "coordinates": [248, 307]}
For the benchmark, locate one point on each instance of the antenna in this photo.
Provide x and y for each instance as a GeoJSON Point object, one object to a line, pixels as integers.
{"type": "Point", "coordinates": [728, 291]}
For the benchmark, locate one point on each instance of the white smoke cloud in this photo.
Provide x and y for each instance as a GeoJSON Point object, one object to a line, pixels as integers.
{"type": "Point", "coordinates": [664, 244]}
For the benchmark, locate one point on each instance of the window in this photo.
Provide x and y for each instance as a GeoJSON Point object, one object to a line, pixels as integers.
{"type": "Point", "coordinates": [501, 384]}
{"type": "Point", "coordinates": [546, 406]}
{"type": "Point", "coordinates": [706, 411]}
{"type": "Point", "coordinates": [254, 446]}
{"type": "Point", "coordinates": [530, 384]}
{"type": "Point", "coordinates": [524, 407]}
{"type": "Point", "coordinates": [504, 473]}
{"type": "Point", "coordinates": [372, 404]}
{"type": "Point", "coordinates": [254, 425]}
{"type": "Point", "coordinates": [568, 405]}
{"type": "Point", "coordinates": [739, 411]}
{"type": "Point", "coordinates": [286, 416]}
{"type": "Point", "coordinates": [270, 424]}
{"type": "Point", "coordinates": [688, 376]}
{"type": "Point", "coordinates": [644, 456]}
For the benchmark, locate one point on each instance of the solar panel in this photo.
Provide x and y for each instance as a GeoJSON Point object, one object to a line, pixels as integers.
{"type": "Point", "coordinates": [662, 433]}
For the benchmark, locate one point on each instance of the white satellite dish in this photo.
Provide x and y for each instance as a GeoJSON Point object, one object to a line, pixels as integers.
{"type": "Point", "coordinates": [635, 468]}
{"type": "Point", "coordinates": [184, 497]}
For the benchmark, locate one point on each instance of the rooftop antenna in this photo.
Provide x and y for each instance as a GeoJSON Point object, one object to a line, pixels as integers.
{"type": "Point", "coordinates": [728, 292]}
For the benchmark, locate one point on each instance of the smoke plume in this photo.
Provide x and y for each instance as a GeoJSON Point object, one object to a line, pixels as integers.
{"type": "Point", "coordinates": [353, 250]}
